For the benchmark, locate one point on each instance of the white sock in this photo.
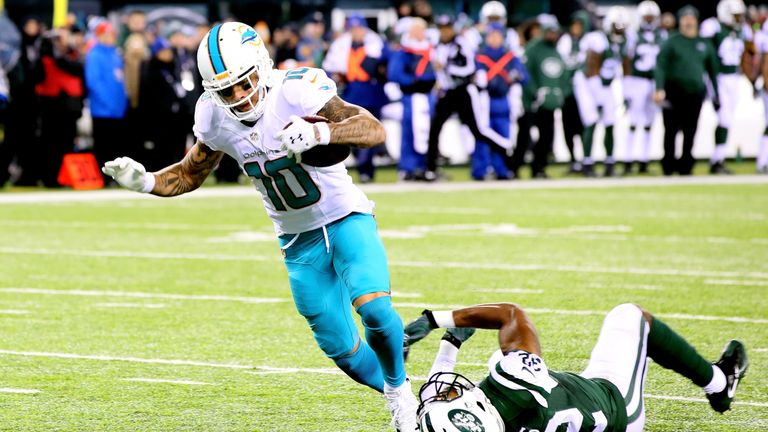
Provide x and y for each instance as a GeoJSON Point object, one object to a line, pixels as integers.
{"type": "Point", "coordinates": [645, 145]}
{"type": "Point", "coordinates": [445, 361]}
{"type": "Point", "coordinates": [762, 154]}
{"type": "Point", "coordinates": [630, 141]}
{"type": "Point", "coordinates": [718, 381]}
{"type": "Point", "coordinates": [718, 155]}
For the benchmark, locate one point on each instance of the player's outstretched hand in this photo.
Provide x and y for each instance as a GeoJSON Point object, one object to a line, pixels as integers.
{"type": "Point", "coordinates": [130, 174]}
{"type": "Point", "coordinates": [297, 137]}
{"type": "Point", "coordinates": [415, 331]}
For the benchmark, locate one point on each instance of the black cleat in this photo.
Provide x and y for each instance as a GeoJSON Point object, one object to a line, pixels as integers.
{"type": "Point", "coordinates": [733, 362]}
{"type": "Point", "coordinates": [588, 170]}
{"type": "Point", "coordinates": [719, 169]}
{"type": "Point", "coordinates": [609, 170]}
{"type": "Point", "coordinates": [643, 168]}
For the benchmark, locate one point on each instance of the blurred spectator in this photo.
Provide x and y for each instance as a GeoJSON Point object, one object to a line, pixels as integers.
{"type": "Point", "coordinates": [411, 68]}
{"type": "Point", "coordinates": [404, 15]}
{"type": "Point", "coordinates": [542, 95]}
{"type": "Point", "coordinates": [357, 61]}
{"type": "Point", "coordinates": [568, 47]}
{"type": "Point", "coordinates": [61, 101]}
{"type": "Point", "coordinates": [264, 33]}
{"type": "Point", "coordinates": [311, 48]}
{"type": "Point", "coordinates": [286, 41]}
{"type": "Point", "coordinates": [498, 70]}
{"type": "Point", "coordinates": [668, 23]}
{"type": "Point", "coordinates": [162, 108]}
{"type": "Point", "coordinates": [104, 80]}
{"type": "Point", "coordinates": [136, 51]}
{"type": "Point", "coordinates": [455, 66]}
{"type": "Point", "coordinates": [22, 128]}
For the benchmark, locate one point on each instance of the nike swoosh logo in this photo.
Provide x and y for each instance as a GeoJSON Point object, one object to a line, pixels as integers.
{"type": "Point", "coordinates": [314, 78]}
{"type": "Point", "coordinates": [732, 388]}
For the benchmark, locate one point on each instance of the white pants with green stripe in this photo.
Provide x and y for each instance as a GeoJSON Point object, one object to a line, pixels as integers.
{"type": "Point", "coordinates": [620, 356]}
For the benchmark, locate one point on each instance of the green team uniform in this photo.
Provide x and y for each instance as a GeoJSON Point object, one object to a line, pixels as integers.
{"type": "Point", "coordinates": [643, 51]}
{"type": "Point", "coordinates": [729, 45]}
{"type": "Point", "coordinates": [682, 62]}
{"type": "Point", "coordinates": [529, 397]}
{"type": "Point", "coordinates": [548, 78]}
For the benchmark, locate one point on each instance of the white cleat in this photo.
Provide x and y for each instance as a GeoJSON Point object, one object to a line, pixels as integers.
{"type": "Point", "coordinates": [402, 405]}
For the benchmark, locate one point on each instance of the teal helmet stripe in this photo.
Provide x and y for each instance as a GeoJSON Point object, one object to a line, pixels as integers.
{"type": "Point", "coordinates": [213, 50]}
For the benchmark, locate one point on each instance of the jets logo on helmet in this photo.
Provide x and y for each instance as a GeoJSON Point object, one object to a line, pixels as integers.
{"type": "Point", "coordinates": [233, 54]}
{"type": "Point", "coordinates": [465, 421]}
{"type": "Point", "coordinates": [451, 403]}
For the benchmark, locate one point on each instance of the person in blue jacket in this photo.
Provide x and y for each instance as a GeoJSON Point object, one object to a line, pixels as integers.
{"type": "Point", "coordinates": [105, 85]}
{"type": "Point", "coordinates": [411, 68]}
{"type": "Point", "coordinates": [499, 69]}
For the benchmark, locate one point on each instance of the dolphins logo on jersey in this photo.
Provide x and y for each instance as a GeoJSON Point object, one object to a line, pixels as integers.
{"type": "Point", "coordinates": [465, 421]}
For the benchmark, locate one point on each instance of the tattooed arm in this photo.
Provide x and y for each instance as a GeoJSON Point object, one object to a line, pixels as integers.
{"type": "Point", "coordinates": [189, 174]}
{"type": "Point", "coordinates": [351, 124]}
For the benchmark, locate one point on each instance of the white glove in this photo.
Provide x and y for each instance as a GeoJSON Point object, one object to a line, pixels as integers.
{"type": "Point", "coordinates": [300, 136]}
{"type": "Point", "coordinates": [130, 174]}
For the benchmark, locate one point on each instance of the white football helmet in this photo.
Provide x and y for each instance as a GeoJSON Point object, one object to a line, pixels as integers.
{"type": "Point", "coordinates": [493, 9]}
{"type": "Point", "coordinates": [726, 9]}
{"type": "Point", "coordinates": [228, 55]}
{"type": "Point", "coordinates": [451, 403]}
{"type": "Point", "coordinates": [649, 8]}
{"type": "Point", "coordinates": [616, 19]}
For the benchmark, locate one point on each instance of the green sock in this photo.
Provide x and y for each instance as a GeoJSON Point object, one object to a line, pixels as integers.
{"type": "Point", "coordinates": [586, 140]}
{"type": "Point", "coordinates": [721, 135]}
{"type": "Point", "coordinates": [608, 141]}
{"type": "Point", "coordinates": [671, 351]}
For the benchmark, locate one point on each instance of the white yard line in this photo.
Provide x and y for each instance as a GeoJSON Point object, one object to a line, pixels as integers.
{"type": "Point", "coordinates": [145, 295]}
{"type": "Point", "coordinates": [418, 264]}
{"type": "Point", "coordinates": [18, 390]}
{"type": "Point", "coordinates": [687, 317]}
{"type": "Point", "coordinates": [130, 305]}
{"type": "Point", "coordinates": [398, 188]}
{"type": "Point", "coordinates": [124, 225]}
{"type": "Point", "coordinates": [165, 381]}
{"type": "Point", "coordinates": [13, 312]}
{"type": "Point", "coordinates": [259, 370]}
{"type": "Point", "coordinates": [507, 290]}
{"type": "Point", "coordinates": [702, 400]}
{"type": "Point", "coordinates": [732, 282]}
{"type": "Point", "coordinates": [130, 254]}
{"type": "Point", "coordinates": [760, 350]}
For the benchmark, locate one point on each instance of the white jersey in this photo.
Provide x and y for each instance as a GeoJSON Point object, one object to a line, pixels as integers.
{"type": "Point", "coordinates": [297, 197]}
{"type": "Point", "coordinates": [761, 39]}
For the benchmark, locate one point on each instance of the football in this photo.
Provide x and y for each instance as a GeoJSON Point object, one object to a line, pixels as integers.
{"type": "Point", "coordinates": [323, 155]}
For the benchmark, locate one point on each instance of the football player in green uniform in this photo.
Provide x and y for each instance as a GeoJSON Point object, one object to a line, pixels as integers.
{"type": "Point", "coordinates": [522, 395]}
{"type": "Point", "coordinates": [729, 35]}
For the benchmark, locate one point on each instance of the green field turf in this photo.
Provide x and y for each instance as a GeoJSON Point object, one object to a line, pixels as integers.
{"type": "Point", "coordinates": [96, 294]}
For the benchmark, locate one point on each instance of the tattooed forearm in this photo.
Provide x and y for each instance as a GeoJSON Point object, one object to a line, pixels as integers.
{"type": "Point", "coordinates": [188, 174]}
{"type": "Point", "coordinates": [352, 125]}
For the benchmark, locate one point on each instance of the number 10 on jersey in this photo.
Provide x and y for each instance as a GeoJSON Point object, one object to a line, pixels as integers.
{"type": "Point", "coordinates": [280, 193]}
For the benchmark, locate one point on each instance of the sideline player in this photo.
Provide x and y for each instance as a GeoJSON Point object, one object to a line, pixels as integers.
{"type": "Point", "coordinates": [729, 35]}
{"type": "Point", "coordinates": [761, 45]}
{"type": "Point", "coordinates": [642, 48]}
{"type": "Point", "coordinates": [603, 51]}
{"type": "Point", "coordinates": [324, 222]}
{"type": "Point", "coordinates": [522, 394]}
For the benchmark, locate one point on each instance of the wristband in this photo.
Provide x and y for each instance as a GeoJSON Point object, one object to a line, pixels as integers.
{"type": "Point", "coordinates": [324, 131]}
{"type": "Point", "coordinates": [149, 183]}
{"type": "Point", "coordinates": [439, 319]}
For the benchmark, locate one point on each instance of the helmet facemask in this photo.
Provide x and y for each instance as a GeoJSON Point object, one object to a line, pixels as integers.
{"type": "Point", "coordinates": [450, 402]}
{"type": "Point", "coordinates": [254, 85]}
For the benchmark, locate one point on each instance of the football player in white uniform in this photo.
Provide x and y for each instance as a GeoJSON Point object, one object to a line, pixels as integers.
{"type": "Point", "coordinates": [324, 222]}
{"type": "Point", "coordinates": [603, 54]}
{"type": "Point", "coordinates": [642, 48]}
{"type": "Point", "coordinates": [761, 45]}
{"type": "Point", "coordinates": [729, 36]}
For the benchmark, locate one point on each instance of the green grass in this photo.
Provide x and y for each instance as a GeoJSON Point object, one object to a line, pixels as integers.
{"type": "Point", "coordinates": [595, 248]}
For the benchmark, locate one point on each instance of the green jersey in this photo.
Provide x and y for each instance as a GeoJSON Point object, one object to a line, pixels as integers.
{"type": "Point", "coordinates": [682, 63]}
{"type": "Point", "coordinates": [611, 50]}
{"type": "Point", "coordinates": [531, 398]}
{"type": "Point", "coordinates": [547, 77]}
{"type": "Point", "coordinates": [642, 49]}
{"type": "Point", "coordinates": [729, 43]}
